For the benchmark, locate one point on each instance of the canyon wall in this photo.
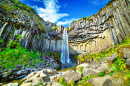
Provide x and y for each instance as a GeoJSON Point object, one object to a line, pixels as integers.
{"type": "Point", "coordinates": [103, 30]}
{"type": "Point", "coordinates": [18, 19]}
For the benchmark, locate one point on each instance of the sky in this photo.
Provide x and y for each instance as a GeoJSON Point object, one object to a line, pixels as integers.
{"type": "Point", "coordinates": [63, 12]}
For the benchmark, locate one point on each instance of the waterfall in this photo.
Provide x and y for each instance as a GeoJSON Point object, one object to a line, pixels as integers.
{"type": "Point", "coordinates": [3, 28]}
{"type": "Point", "coordinates": [65, 48]}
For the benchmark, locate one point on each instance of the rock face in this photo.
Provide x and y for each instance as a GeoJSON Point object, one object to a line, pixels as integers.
{"type": "Point", "coordinates": [102, 30]}
{"type": "Point", "coordinates": [36, 33]}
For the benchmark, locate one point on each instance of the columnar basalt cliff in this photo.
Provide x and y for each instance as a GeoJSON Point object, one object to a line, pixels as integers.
{"type": "Point", "coordinates": [103, 30]}
{"type": "Point", "coordinates": [19, 19]}
{"type": "Point", "coordinates": [108, 27]}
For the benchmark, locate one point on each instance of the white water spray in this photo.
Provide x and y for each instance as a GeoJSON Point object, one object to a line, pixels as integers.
{"type": "Point", "coordinates": [65, 48]}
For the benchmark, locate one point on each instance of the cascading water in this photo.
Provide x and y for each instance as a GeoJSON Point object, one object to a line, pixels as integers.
{"type": "Point", "coordinates": [3, 28]}
{"type": "Point", "coordinates": [65, 48]}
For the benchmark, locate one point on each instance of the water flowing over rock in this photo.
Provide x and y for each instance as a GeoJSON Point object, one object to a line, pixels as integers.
{"type": "Point", "coordinates": [65, 48]}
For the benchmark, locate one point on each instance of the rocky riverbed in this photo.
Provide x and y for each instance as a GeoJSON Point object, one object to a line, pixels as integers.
{"type": "Point", "coordinates": [22, 71]}
{"type": "Point", "coordinates": [50, 77]}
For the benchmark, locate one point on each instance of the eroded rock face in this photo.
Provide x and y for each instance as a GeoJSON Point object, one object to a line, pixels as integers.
{"type": "Point", "coordinates": [102, 30]}
{"type": "Point", "coordinates": [36, 33]}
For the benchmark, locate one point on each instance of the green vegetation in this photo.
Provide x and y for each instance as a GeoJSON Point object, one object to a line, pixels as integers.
{"type": "Point", "coordinates": [87, 18]}
{"type": "Point", "coordinates": [101, 74]}
{"type": "Point", "coordinates": [82, 82]}
{"type": "Point", "coordinates": [53, 54]}
{"type": "Point", "coordinates": [68, 29]}
{"type": "Point", "coordinates": [80, 69]}
{"type": "Point", "coordinates": [117, 67]}
{"type": "Point", "coordinates": [108, 4]}
{"type": "Point", "coordinates": [41, 83]}
{"type": "Point", "coordinates": [108, 52]}
{"type": "Point", "coordinates": [14, 5]}
{"type": "Point", "coordinates": [13, 55]}
{"type": "Point", "coordinates": [63, 82]}
{"type": "Point", "coordinates": [54, 27]}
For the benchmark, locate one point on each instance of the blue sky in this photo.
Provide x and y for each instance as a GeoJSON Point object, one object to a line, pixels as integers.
{"type": "Point", "coordinates": [63, 12]}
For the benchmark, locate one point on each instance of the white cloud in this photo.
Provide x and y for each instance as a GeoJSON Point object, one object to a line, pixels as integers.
{"type": "Point", "coordinates": [50, 12]}
{"type": "Point", "coordinates": [67, 22]}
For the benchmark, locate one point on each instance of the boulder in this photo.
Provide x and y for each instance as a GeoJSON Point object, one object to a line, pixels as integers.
{"type": "Point", "coordinates": [126, 53]}
{"type": "Point", "coordinates": [12, 84]}
{"type": "Point", "coordinates": [103, 81]}
{"type": "Point", "coordinates": [111, 59]}
{"type": "Point", "coordinates": [128, 63]}
{"type": "Point", "coordinates": [56, 84]}
{"type": "Point", "coordinates": [20, 72]}
{"type": "Point", "coordinates": [31, 78]}
{"type": "Point", "coordinates": [89, 71]}
{"type": "Point", "coordinates": [26, 84]}
{"type": "Point", "coordinates": [52, 78]}
{"type": "Point", "coordinates": [94, 70]}
{"type": "Point", "coordinates": [71, 75]}
{"type": "Point", "coordinates": [51, 71]}
{"type": "Point", "coordinates": [102, 67]}
{"type": "Point", "coordinates": [5, 77]}
{"type": "Point", "coordinates": [36, 81]}
{"type": "Point", "coordinates": [84, 65]}
{"type": "Point", "coordinates": [52, 84]}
